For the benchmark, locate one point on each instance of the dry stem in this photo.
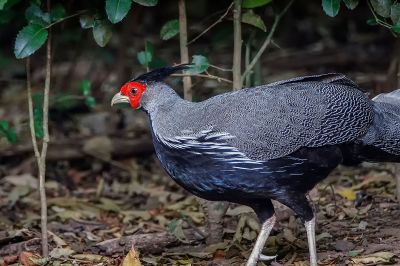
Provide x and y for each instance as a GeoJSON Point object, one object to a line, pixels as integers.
{"type": "Point", "coordinates": [212, 25]}
{"type": "Point", "coordinates": [187, 81]}
{"type": "Point", "coordinates": [267, 41]}
{"type": "Point", "coordinates": [40, 155]}
{"type": "Point", "coordinates": [237, 44]}
{"type": "Point", "coordinates": [207, 75]}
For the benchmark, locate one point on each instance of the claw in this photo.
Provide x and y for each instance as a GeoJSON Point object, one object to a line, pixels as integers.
{"type": "Point", "coordinates": [266, 258]}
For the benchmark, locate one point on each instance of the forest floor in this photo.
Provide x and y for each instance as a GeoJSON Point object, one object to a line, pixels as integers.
{"type": "Point", "coordinates": [357, 217]}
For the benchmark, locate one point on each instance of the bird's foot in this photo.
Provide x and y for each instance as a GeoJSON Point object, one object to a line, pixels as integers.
{"type": "Point", "coordinates": [267, 258]}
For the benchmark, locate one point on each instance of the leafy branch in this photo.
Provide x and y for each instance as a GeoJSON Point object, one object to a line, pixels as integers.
{"type": "Point", "coordinates": [385, 13]}
{"type": "Point", "coordinates": [40, 154]}
{"type": "Point", "coordinates": [266, 42]}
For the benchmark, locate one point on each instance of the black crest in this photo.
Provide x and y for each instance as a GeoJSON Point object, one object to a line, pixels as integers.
{"type": "Point", "coordinates": [160, 74]}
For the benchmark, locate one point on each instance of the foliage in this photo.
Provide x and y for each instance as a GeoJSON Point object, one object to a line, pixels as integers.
{"type": "Point", "coordinates": [85, 88]}
{"type": "Point", "coordinates": [146, 2]}
{"type": "Point", "coordinates": [249, 17]}
{"type": "Point", "coordinates": [331, 7]}
{"type": "Point", "coordinates": [117, 9]}
{"type": "Point", "coordinates": [7, 131]}
{"type": "Point", "coordinates": [37, 100]}
{"type": "Point", "coordinates": [254, 3]}
{"type": "Point", "coordinates": [200, 64]}
{"type": "Point", "coordinates": [102, 32]}
{"type": "Point", "coordinates": [34, 35]}
{"type": "Point", "coordinates": [148, 57]}
{"type": "Point", "coordinates": [169, 30]}
{"type": "Point", "coordinates": [29, 39]}
{"type": "Point", "coordinates": [385, 13]}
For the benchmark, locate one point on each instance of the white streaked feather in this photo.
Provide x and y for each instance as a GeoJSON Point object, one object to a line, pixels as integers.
{"type": "Point", "coordinates": [217, 148]}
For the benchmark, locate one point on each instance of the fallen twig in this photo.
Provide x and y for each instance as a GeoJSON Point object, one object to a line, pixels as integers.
{"type": "Point", "coordinates": [152, 243]}
{"type": "Point", "coordinates": [73, 149]}
{"type": "Point", "coordinates": [16, 248]}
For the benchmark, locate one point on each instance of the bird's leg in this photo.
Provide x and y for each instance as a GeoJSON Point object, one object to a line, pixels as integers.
{"type": "Point", "coordinates": [310, 228]}
{"type": "Point", "coordinates": [256, 255]}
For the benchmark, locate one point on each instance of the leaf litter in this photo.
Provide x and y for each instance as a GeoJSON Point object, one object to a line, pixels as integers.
{"type": "Point", "coordinates": [346, 233]}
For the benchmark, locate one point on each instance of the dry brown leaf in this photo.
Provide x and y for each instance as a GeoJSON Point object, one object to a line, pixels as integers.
{"type": "Point", "coordinates": [22, 180]}
{"type": "Point", "coordinates": [288, 235]}
{"type": "Point", "coordinates": [376, 178]}
{"type": "Point", "coordinates": [9, 260]}
{"type": "Point", "coordinates": [92, 258]}
{"type": "Point", "coordinates": [375, 258]}
{"type": "Point", "coordinates": [132, 258]}
{"type": "Point", "coordinates": [300, 263]}
{"type": "Point", "coordinates": [100, 146]}
{"type": "Point", "coordinates": [57, 253]}
{"type": "Point", "coordinates": [28, 258]}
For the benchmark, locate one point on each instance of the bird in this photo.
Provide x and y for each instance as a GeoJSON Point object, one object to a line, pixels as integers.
{"type": "Point", "coordinates": [270, 142]}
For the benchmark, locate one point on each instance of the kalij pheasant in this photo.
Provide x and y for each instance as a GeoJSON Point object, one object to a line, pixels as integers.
{"type": "Point", "coordinates": [273, 141]}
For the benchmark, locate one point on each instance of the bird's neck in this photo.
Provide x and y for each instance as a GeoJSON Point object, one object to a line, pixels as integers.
{"type": "Point", "coordinates": [160, 98]}
{"type": "Point", "coordinates": [165, 108]}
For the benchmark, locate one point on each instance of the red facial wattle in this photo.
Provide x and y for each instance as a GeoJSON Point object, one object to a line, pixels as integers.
{"type": "Point", "coordinates": [133, 90]}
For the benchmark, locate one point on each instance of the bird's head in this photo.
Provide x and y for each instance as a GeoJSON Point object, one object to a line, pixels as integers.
{"type": "Point", "coordinates": [132, 91]}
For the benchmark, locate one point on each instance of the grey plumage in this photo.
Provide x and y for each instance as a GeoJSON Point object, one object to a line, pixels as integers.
{"type": "Point", "coordinates": [268, 121]}
{"type": "Point", "coordinates": [384, 133]}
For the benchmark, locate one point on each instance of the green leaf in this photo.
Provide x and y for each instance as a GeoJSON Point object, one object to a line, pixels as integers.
{"type": "Point", "coordinates": [146, 2]}
{"type": "Point", "coordinates": [372, 21]}
{"type": "Point", "coordinates": [35, 15]}
{"type": "Point", "coordinates": [7, 131]}
{"type": "Point", "coordinates": [57, 12]}
{"type": "Point", "coordinates": [254, 3]}
{"type": "Point", "coordinates": [169, 30]}
{"type": "Point", "coordinates": [175, 228]}
{"type": "Point", "coordinates": [85, 87]}
{"type": "Point", "coordinates": [382, 7]}
{"type": "Point", "coordinates": [144, 58]}
{"type": "Point", "coordinates": [149, 47]}
{"type": "Point", "coordinates": [253, 19]}
{"type": "Point", "coordinates": [29, 39]}
{"type": "Point", "coordinates": [8, 4]}
{"type": "Point", "coordinates": [351, 4]}
{"type": "Point", "coordinates": [2, 4]}
{"type": "Point", "coordinates": [38, 122]}
{"type": "Point", "coordinates": [200, 64]}
{"type": "Point", "coordinates": [86, 21]}
{"type": "Point", "coordinates": [65, 101]}
{"type": "Point", "coordinates": [90, 101]}
{"type": "Point", "coordinates": [396, 28]}
{"type": "Point", "coordinates": [117, 9]}
{"type": "Point", "coordinates": [331, 7]}
{"type": "Point", "coordinates": [395, 13]}
{"type": "Point", "coordinates": [102, 32]}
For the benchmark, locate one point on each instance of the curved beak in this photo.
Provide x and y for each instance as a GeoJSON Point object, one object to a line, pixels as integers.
{"type": "Point", "coordinates": [119, 98]}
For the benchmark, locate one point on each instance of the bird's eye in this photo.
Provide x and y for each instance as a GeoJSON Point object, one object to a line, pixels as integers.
{"type": "Point", "coordinates": [133, 91]}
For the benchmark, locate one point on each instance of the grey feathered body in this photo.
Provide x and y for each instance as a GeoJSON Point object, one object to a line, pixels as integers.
{"type": "Point", "coordinates": [269, 121]}
{"type": "Point", "coordinates": [269, 142]}
{"type": "Point", "coordinates": [385, 132]}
